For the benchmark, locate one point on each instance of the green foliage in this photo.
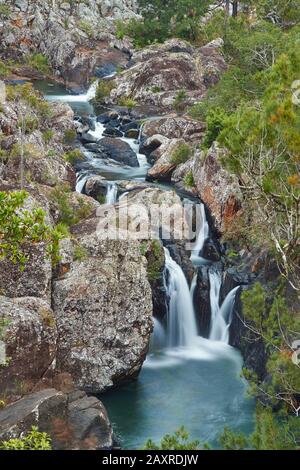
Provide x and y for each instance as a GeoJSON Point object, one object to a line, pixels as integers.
{"type": "Point", "coordinates": [180, 101]}
{"type": "Point", "coordinates": [39, 62]}
{"type": "Point", "coordinates": [104, 89]}
{"type": "Point", "coordinates": [272, 432]}
{"type": "Point", "coordinates": [163, 20]}
{"type": "Point", "coordinates": [215, 120]}
{"type": "Point", "coordinates": [177, 441]}
{"type": "Point", "coordinates": [19, 226]}
{"type": "Point", "coordinates": [127, 102]}
{"type": "Point", "coordinates": [70, 136]}
{"type": "Point", "coordinates": [34, 440]}
{"type": "Point", "coordinates": [5, 11]}
{"type": "Point", "coordinates": [101, 198]}
{"type": "Point", "coordinates": [155, 258]}
{"type": "Point", "coordinates": [69, 214]}
{"type": "Point", "coordinates": [230, 440]}
{"type": "Point", "coordinates": [87, 28]}
{"type": "Point", "coordinates": [80, 253]}
{"type": "Point", "coordinates": [181, 154]}
{"type": "Point", "coordinates": [48, 135]}
{"type": "Point", "coordinates": [31, 97]}
{"type": "Point", "coordinates": [4, 70]}
{"type": "Point", "coordinates": [73, 156]}
{"type": "Point", "coordinates": [189, 180]}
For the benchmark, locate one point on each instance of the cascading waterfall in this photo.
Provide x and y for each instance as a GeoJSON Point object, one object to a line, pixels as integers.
{"type": "Point", "coordinates": [201, 237]}
{"type": "Point", "coordinates": [181, 324]}
{"type": "Point", "coordinates": [221, 316]}
{"type": "Point", "coordinates": [111, 195]}
{"type": "Point", "coordinates": [84, 97]}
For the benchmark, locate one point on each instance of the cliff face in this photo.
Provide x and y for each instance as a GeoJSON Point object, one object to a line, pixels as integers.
{"type": "Point", "coordinates": [76, 37]}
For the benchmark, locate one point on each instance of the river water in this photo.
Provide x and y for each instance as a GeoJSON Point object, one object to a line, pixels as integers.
{"type": "Point", "coordinates": [186, 380]}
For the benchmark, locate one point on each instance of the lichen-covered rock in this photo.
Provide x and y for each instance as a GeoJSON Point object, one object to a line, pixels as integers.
{"type": "Point", "coordinates": [215, 186]}
{"type": "Point", "coordinates": [78, 39]}
{"type": "Point", "coordinates": [160, 71]}
{"type": "Point", "coordinates": [30, 341]}
{"type": "Point", "coordinates": [174, 127]}
{"type": "Point", "coordinates": [103, 334]}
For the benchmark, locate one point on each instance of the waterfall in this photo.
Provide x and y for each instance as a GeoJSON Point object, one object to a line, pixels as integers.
{"type": "Point", "coordinates": [158, 338]}
{"type": "Point", "coordinates": [84, 97]}
{"type": "Point", "coordinates": [111, 195]}
{"type": "Point", "coordinates": [221, 316]}
{"type": "Point", "coordinates": [201, 237]}
{"type": "Point", "coordinates": [181, 324]}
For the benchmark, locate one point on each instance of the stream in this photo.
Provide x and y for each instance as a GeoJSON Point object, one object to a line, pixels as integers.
{"type": "Point", "coordinates": [186, 379]}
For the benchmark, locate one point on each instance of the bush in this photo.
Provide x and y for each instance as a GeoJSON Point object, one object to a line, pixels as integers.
{"type": "Point", "coordinates": [34, 440]}
{"type": "Point", "coordinates": [181, 154]}
{"type": "Point", "coordinates": [127, 102]}
{"type": "Point", "coordinates": [87, 28]}
{"type": "Point", "coordinates": [178, 441]}
{"type": "Point", "coordinates": [189, 180]}
{"type": "Point", "coordinates": [103, 90]}
{"type": "Point", "coordinates": [5, 11]}
{"type": "Point", "coordinates": [69, 136]}
{"type": "Point", "coordinates": [4, 70]}
{"type": "Point", "coordinates": [39, 62]}
{"type": "Point", "coordinates": [48, 136]}
{"type": "Point", "coordinates": [180, 101]}
{"type": "Point", "coordinates": [215, 121]}
{"type": "Point", "coordinates": [73, 156]}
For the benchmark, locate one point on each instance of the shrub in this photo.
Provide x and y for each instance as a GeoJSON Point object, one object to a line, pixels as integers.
{"type": "Point", "coordinates": [215, 121]}
{"type": "Point", "coordinates": [3, 69]}
{"type": "Point", "coordinates": [69, 136]}
{"type": "Point", "coordinates": [34, 440]}
{"type": "Point", "coordinates": [189, 180]}
{"type": "Point", "coordinates": [180, 101]}
{"type": "Point", "coordinates": [103, 90]}
{"type": "Point", "coordinates": [181, 154]}
{"type": "Point", "coordinates": [5, 11]}
{"type": "Point", "coordinates": [73, 156]}
{"type": "Point", "coordinates": [19, 226]}
{"type": "Point", "coordinates": [127, 102]}
{"type": "Point", "coordinates": [48, 135]}
{"type": "Point", "coordinates": [80, 253]}
{"type": "Point", "coordinates": [178, 441]}
{"type": "Point", "coordinates": [87, 28]}
{"type": "Point", "coordinates": [39, 62]}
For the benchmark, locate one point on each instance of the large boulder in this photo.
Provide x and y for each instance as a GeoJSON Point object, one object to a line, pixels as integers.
{"type": "Point", "coordinates": [160, 71]}
{"type": "Point", "coordinates": [73, 420]}
{"type": "Point", "coordinates": [217, 188]}
{"type": "Point", "coordinates": [30, 342]}
{"type": "Point", "coordinates": [103, 335]}
{"type": "Point", "coordinates": [174, 127]}
{"type": "Point", "coordinates": [118, 150]}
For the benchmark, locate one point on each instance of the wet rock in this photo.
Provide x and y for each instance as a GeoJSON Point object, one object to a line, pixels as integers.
{"type": "Point", "coordinates": [112, 132]}
{"type": "Point", "coordinates": [202, 301]}
{"type": "Point", "coordinates": [211, 251]}
{"type": "Point", "coordinates": [130, 126]}
{"type": "Point", "coordinates": [73, 421]}
{"type": "Point", "coordinates": [119, 150]}
{"type": "Point", "coordinates": [95, 186]}
{"type": "Point", "coordinates": [132, 134]}
{"type": "Point", "coordinates": [87, 138]}
{"type": "Point", "coordinates": [103, 118]}
{"type": "Point", "coordinates": [164, 166]}
{"type": "Point", "coordinates": [152, 143]}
